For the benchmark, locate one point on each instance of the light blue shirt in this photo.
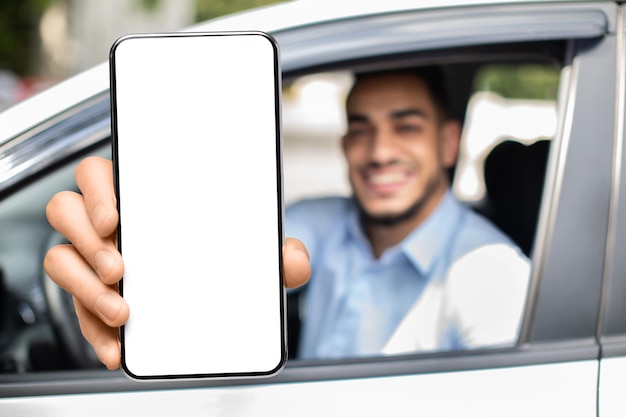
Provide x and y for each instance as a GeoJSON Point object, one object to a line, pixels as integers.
{"type": "Point", "coordinates": [354, 302]}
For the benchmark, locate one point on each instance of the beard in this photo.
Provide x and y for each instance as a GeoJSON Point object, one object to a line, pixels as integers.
{"type": "Point", "coordinates": [393, 219]}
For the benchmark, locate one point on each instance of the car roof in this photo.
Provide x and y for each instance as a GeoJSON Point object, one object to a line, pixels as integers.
{"type": "Point", "coordinates": [306, 12]}
{"type": "Point", "coordinates": [271, 19]}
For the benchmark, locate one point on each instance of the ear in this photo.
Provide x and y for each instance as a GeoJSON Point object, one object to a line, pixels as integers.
{"type": "Point", "coordinates": [450, 139]}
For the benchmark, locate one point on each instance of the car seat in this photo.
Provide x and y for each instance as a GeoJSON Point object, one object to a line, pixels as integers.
{"type": "Point", "coordinates": [514, 178]}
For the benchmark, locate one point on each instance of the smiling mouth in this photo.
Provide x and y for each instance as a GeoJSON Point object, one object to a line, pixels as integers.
{"type": "Point", "coordinates": [385, 178]}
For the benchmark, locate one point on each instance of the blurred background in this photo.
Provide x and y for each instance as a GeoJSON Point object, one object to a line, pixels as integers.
{"type": "Point", "coordinates": [45, 41]}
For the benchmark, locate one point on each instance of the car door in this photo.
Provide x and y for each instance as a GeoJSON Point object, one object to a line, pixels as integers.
{"type": "Point", "coordinates": [552, 370]}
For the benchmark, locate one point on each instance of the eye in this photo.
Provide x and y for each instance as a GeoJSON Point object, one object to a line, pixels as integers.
{"type": "Point", "coordinates": [408, 128]}
{"type": "Point", "coordinates": [356, 132]}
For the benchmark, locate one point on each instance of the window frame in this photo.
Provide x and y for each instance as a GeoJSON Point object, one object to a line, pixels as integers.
{"type": "Point", "coordinates": [612, 329]}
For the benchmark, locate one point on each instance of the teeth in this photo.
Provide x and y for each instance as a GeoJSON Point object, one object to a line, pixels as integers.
{"type": "Point", "coordinates": [386, 178]}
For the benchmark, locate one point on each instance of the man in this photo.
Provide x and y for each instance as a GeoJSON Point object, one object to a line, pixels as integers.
{"type": "Point", "coordinates": [392, 248]}
{"type": "Point", "coordinates": [402, 266]}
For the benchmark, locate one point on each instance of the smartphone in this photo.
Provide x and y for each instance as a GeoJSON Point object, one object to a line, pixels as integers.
{"type": "Point", "coordinates": [197, 168]}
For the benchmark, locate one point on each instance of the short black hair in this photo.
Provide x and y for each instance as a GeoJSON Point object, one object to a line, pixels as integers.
{"type": "Point", "coordinates": [433, 76]}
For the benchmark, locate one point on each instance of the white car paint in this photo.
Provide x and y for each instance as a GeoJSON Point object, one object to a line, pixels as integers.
{"type": "Point", "coordinates": [612, 401]}
{"type": "Point", "coordinates": [541, 390]}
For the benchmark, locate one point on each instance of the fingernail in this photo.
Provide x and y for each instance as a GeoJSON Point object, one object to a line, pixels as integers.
{"type": "Point", "coordinates": [99, 215]}
{"type": "Point", "coordinates": [104, 262]}
{"type": "Point", "coordinates": [303, 251]}
{"type": "Point", "coordinates": [109, 306]}
{"type": "Point", "coordinates": [105, 354]}
{"type": "Point", "coordinates": [101, 352]}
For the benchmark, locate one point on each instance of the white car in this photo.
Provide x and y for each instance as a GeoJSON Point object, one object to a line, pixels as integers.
{"type": "Point", "coordinates": [543, 160]}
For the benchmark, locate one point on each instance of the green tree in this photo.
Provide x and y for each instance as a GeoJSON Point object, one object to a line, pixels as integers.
{"type": "Point", "coordinates": [208, 9]}
{"type": "Point", "coordinates": [19, 36]}
{"type": "Point", "coordinates": [530, 81]}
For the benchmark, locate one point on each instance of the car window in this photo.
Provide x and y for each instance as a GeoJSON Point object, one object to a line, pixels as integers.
{"type": "Point", "coordinates": [34, 337]}
{"type": "Point", "coordinates": [509, 117]}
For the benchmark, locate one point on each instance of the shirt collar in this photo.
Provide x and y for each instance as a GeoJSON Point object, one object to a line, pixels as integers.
{"type": "Point", "coordinates": [355, 229]}
{"type": "Point", "coordinates": [422, 246]}
{"type": "Point", "coordinates": [428, 241]}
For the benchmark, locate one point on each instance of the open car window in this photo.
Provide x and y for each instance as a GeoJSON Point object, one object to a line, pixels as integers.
{"type": "Point", "coordinates": [509, 112]}
{"type": "Point", "coordinates": [495, 117]}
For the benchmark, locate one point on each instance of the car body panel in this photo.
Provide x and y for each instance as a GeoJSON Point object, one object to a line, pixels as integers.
{"type": "Point", "coordinates": [614, 315]}
{"type": "Point", "coordinates": [555, 389]}
{"type": "Point", "coordinates": [579, 200]}
{"type": "Point", "coordinates": [611, 387]}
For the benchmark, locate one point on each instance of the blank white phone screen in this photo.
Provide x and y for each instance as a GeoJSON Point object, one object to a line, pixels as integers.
{"type": "Point", "coordinates": [197, 166]}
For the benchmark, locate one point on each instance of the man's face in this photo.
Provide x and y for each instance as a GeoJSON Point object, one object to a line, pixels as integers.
{"type": "Point", "coordinates": [397, 148]}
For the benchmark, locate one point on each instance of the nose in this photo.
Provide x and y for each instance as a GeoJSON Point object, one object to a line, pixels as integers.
{"type": "Point", "coordinates": [382, 147]}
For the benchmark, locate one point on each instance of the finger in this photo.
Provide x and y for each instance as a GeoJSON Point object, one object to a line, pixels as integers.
{"type": "Point", "coordinates": [94, 176]}
{"type": "Point", "coordinates": [102, 338]}
{"type": "Point", "coordinates": [67, 214]}
{"type": "Point", "coordinates": [296, 264]}
{"type": "Point", "coordinates": [67, 268]}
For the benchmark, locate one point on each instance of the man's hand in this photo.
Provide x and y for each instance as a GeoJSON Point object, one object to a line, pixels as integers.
{"type": "Point", "coordinates": [90, 267]}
